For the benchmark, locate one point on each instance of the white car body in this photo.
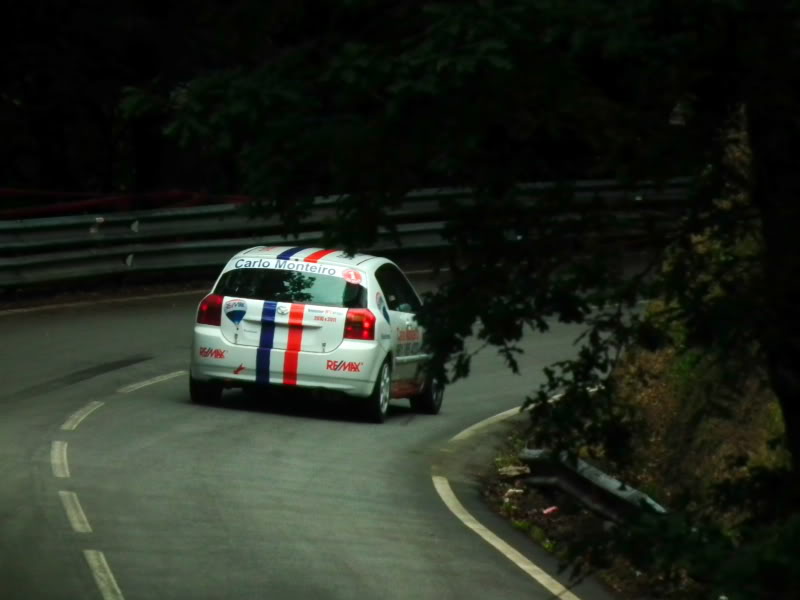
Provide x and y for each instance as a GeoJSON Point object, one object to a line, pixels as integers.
{"type": "Point", "coordinates": [313, 318]}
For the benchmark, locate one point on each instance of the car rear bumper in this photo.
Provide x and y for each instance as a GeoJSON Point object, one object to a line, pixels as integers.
{"type": "Point", "coordinates": [351, 369]}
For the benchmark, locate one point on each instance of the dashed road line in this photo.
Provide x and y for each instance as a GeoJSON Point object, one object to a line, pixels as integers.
{"type": "Point", "coordinates": [102, 575]}
{"type": "Point", "coordinates": [136, 386]}
{"type": "Point", "coordinates": [58, 459]}
{"type": "Point", "coordinates": [78, 416]}
{"type": "Point", "coordinates": [77, 518]}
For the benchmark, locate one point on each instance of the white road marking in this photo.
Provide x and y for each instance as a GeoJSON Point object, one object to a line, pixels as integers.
{"type": "Point", "coordinates": [136, 386]}
{"type": "Point", "coordinates": [58, 459]}
{"type": "Point", "coordinates": [103, 575]}
{"type": "Point", "coordinates": [17, 311]}
{"type": "Point", "coordinates": [75, 419]}
{"type": "Point", "coordinates": [77, 518]}
{"type": "Point", "coordinates": [445, 492]}
{"type": "Point", "coordinates": [450, 500]}
{"type": "Point", "coordinates": [473, 429]}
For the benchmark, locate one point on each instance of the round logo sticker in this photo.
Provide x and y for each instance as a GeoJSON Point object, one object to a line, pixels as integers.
{"type": "Point", "coordinates": [352, 276]}
{"type": "Point", "coordinates": [235, 310]}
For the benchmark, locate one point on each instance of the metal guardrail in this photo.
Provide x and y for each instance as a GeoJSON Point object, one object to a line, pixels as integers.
{"type": "Point", "coordinates": [34, 204]}
{"type": "Point", "coordinates": [596, 489]}
{"type": "Point", "coordinates": [54, 249]}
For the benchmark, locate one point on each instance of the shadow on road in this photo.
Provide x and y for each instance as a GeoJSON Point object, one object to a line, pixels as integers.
{"type": "Point", "coordinates": [305, 403]}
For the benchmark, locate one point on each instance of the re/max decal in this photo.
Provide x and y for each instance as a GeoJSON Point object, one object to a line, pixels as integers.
{"type": "Point", "coordinates": [206, 352]}
{"type": "Point", "coordinates": [344, 365]}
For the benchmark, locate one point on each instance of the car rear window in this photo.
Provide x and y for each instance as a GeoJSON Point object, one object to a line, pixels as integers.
{"type": "Point", "coordinates": [289, 286]}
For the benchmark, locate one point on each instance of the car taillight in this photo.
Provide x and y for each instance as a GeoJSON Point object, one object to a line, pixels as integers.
{"type": "Point", "coordinates": [210, 310]}
{"type": "Point", "coordinates": [359, 324]}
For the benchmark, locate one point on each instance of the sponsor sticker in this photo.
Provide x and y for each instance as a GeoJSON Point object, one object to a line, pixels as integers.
{"type": "Point", "coordinates": [206, 352]}
{"type": "Point", "coordinates": [325, 319]}
{"type": "Point", "coordinates": [352, 276]}
{"type": "Point", "coordinates": [344, 365]}
{"type": "Point", "coordinates": [235, 310]}
{"type": "Point", "coordinates": [286, 265]}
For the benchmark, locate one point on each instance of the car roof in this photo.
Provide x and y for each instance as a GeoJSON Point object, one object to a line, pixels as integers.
{"type": "Point", "coordinates": [308, 254]}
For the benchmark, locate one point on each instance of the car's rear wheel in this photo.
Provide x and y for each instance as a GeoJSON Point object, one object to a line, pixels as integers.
{"type": "Point", "coordinates": [204, 392]}
{"type": "Point", "coordinates": [378, 402]}
{"type": "Point", "coordinates": [429, 401]}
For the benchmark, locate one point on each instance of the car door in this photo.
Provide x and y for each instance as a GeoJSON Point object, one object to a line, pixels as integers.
{"type": "Point", "coordinates": [407, 335]}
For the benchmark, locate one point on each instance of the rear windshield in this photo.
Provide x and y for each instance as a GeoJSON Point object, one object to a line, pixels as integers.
{"type": "Point", "coordinates": [291, 286]}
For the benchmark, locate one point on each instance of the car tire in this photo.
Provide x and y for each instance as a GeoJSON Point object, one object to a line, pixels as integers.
{"type": "Point", "coordinates": [429, 401]}
{"type": "Point", "coordinates": [378, 402]}
{"type": "Point", "coordinates": [204, 392]}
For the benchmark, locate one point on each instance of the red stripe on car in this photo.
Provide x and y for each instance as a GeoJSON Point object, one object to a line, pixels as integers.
{"type": "Point", "coordinates": [315, 256]}
{"type": "Point", "coordinates": [294, 344]}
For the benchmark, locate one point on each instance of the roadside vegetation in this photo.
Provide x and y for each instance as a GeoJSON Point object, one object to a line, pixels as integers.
{"type": "Point", "coordinates": [706, 442]}
{"type": "Point", "coordinates": [699, 428]}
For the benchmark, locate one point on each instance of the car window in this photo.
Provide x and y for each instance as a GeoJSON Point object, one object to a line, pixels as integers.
{"type": "Point", "coordinates": [399, 294]}
{"type": "Point", "coordinates": [290, 286]}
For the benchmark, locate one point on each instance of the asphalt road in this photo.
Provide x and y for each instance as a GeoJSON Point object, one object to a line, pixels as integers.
{"type": "Point", "coordinates": [273, 497]}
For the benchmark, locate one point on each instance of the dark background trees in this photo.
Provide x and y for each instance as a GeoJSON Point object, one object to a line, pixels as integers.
{"type": "Point", "coordinates": [64, 70]}
{"type": "Point", "coordinates": [67, 65]}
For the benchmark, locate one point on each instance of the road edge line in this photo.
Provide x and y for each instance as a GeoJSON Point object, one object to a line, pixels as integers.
{"type": "Point", "coordinates": [473, 429]}
{"type": "Point", "coordinates": [451, 501]}
{"type": "Point", "coordinates": [442, 486]}
{"type": "Point", "coordinates": [17, 311]}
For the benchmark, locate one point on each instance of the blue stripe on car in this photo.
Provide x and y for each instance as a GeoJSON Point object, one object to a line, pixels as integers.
{"type": "Point", "coordinates": [265, 342]}
{"type": "Point", "coordinates": [291, 252]}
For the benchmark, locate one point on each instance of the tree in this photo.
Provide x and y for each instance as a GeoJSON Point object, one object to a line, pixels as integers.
{"type": "Point", "coordinates": [65, 66]}
{"type": "Point", "coordinates": [372, 100]}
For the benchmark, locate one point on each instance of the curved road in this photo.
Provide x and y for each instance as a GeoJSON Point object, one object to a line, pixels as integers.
{"type": "Point", "coordinates": [282, 497]}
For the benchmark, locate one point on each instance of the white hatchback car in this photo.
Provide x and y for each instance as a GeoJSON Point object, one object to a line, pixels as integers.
{"type": "Point", "coordinates": [313, 318]}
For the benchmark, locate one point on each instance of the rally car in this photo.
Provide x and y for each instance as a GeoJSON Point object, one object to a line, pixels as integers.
{"type": "Point", "coordinates": [313, 318]}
